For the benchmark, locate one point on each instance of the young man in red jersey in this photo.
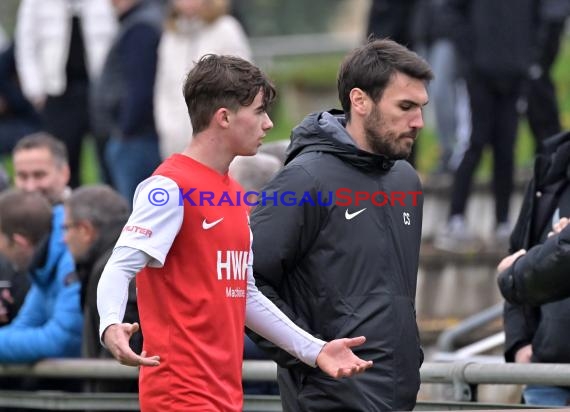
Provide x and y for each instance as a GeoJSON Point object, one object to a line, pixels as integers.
{"type": "Point", "coordinates": [192, 252]}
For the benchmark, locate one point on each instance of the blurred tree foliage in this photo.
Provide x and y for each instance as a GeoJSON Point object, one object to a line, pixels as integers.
{"type": "Point", "coordinates": [8, 9]}
{"type": "Point", "coordinates": [271, 17]}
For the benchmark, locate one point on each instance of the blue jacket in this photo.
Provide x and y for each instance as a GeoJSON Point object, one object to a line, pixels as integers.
{"type": "Point", "coordinates": [49, 324]}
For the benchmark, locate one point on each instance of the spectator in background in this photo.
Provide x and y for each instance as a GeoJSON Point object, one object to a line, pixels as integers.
{"type": "Point", "coordinates": [494, 39]}
{"type": "Point", "coordinates": [13, 288]}
{"type": "Point", "coordinates": [539, 276]}
{"type": "Point", "coordinates": [391, 18]}
{"type": "Point", "coordinates": [40, 165]}
{"type": "Point", "coordinates": [432, 31]}
{"type": "Point", "coordinates": [18, 117]}
{"type": "Point", "coordinates": [94, 218]}
{"type": "Point", "coordinates": [193, 28]}
{"type": "Point", "coordinates": [60, 47]}
{"type": "Point", "coordinates": [123, 95]}
{"type": "Point", "coordinates": [238, 9]}
{"type": "Point", "coordinates": [542, 105]}
{"type": "Point", "coordinates": [13, 284]}
{"type": "Point", "coordinates": [535, 331]}
{"type": "Point", "coordinates": [49, 323]}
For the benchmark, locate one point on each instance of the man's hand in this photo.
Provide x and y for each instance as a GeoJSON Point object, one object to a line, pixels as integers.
{"type": "Point", "coordinates": [116, 337]}
{"type": "Point", "coordinates": [558, 226]}
{"type": "Point", "coordinates": [509, 260]}
{"type": "Point", "coordinates": [524, 354]}
{"type": "Point", "coordinates": [337, 359]}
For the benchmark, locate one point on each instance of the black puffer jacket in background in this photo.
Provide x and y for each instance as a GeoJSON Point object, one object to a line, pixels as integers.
{"type": "Point", "coordinates": [542, 275]}
{"type": "Point", "coordinates": [338, 273]}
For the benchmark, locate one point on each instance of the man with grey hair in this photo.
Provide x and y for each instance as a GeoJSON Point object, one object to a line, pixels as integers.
{"type": "Point", "coordinates": [94, 218]}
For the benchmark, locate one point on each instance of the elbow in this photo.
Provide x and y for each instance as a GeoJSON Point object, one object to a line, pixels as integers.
{"type": "Point", "coordinates": [506, 283]}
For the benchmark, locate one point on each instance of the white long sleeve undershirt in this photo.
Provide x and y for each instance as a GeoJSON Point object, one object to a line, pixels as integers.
{"type": "Point", "coordinates": [262, 316]}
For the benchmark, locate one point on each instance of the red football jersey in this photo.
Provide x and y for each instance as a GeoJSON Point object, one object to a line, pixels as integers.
{"type": "Point", "coordinates": [192, 310]}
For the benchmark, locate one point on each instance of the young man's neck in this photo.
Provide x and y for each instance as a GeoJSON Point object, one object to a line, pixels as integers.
{"type": "Point", "coordinates": [206, 149]}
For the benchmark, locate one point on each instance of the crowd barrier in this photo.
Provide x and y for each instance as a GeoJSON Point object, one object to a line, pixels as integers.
{"type": "Point", "coordinates": [464, 376]}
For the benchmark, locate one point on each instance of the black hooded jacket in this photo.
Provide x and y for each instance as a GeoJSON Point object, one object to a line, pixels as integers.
{"type": "Point", "coordinates": [541, 275]}
{"type": "Point", "coordinates": [343, 270]}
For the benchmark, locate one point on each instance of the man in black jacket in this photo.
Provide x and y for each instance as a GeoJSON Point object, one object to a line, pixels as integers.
{"type": "Point", "coordinates": [333, 250]}
{"type": "Point", "coordinates": [94, 218]}
{"type": "Point", "coordinates": [536, 331]}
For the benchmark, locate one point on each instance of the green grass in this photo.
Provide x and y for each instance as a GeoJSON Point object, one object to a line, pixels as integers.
{"type": "Point", "coordinates": [89, 162]}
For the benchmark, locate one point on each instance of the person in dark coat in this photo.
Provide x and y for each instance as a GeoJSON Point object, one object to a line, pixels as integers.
{"type": "Point", "coordinates": [542, 106]}
{"type": "Point", "coordinates": [338, 266]}
{"type": "Point", "coordinates": [94, 218]}
{"type": "Point", "coordinates": [535, 284]}
{"type": "Point", "coordinates": [494, 40]}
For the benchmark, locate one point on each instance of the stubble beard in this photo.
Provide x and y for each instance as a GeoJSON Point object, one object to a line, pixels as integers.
{"type": "Point", "coordinates": [386, 143]}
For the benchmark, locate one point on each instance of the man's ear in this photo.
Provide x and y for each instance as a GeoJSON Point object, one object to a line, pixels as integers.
{"type": "Point", "coordinates": [21, 240]}
{"type": "Point", "coordinates": [222, 117]}
{"type": "Point", "coordinates": [360, 102]}
{"type": "Point", "coordinates": [65, 173]}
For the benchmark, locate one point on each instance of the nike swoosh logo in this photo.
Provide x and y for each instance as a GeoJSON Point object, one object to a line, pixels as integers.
{"type": "Point", "coordinates": [349, 216]}
{"type": "Point", "coordinates": [206, 225]}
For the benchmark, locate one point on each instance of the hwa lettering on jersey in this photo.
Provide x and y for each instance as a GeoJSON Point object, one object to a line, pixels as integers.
{"type": "Point", "coordinates": [232, 264]}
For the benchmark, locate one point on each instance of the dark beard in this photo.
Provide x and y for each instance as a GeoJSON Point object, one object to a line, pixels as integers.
{"type": "Point", "coordinates": [387, 144]}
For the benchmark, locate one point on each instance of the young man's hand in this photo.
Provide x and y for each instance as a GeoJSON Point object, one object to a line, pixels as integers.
{"type": "Point", "coordinates": [116, 338]}
{"type": "Point", "coordinates": [337, 359]}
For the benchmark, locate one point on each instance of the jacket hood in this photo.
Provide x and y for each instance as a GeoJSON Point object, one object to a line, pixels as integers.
{"type": "Point", "coordinates": [326, 132]}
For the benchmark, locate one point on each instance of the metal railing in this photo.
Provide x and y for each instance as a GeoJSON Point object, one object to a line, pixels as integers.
{"type": "Point", "coordinates": [464, 376]}
{"type": "Point", "coordinates": [447, 340]}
